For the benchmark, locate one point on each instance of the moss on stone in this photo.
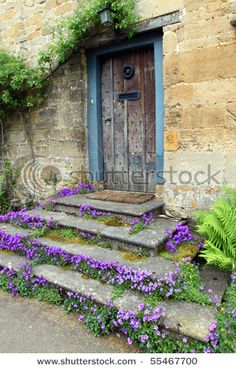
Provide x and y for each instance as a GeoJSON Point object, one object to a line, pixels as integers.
{"type": "Point", "coordinates": [184, 250]}
{"type": "Point", "coordinates": [131, 256]}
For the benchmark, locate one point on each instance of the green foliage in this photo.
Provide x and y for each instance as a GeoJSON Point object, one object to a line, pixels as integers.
{"type": "Point", "coordinates": [105, 245]}
{"type": "Point", "coordinates": [48, 294]}
{"type": "Point", "coordinates": [21, 86]}
{"type": "Point", "coordinates": [100, 321]}
{"type": "Point", "coordinates": [218, 226]}
{"type": "Point", "coordinates": [70, 33]}
{"type": "Point", "coordinates": [39, 232]}
{"type": "Point", "coordinates": [15, 79]}
{"type": "Point", "coordinates": [118, 291]}
{"type": "Point", "coordinates": [8, 182]}
{"type": "Point", "coordinates": [137, 227]}
{"type": "Point", "coordinates": [226, 322]}
{"type": "Point", "coordinates": [68, 233]}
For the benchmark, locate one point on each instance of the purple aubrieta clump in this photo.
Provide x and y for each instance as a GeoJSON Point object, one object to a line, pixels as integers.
{"type": "Point", "coordinates": [212, 338]}
{"type": "Point", "coordinates": [145, 220]}
{"type": "Point", "coordinates": [21, 219]}
{"type": "Point", "coordinates": [25, 274]}
{"type": "Point", "coordinates": [182, 234]}
{"type": "Point", "coordinates": [86, 209]}
{"type": "Point", "coordinates": [81, 188]}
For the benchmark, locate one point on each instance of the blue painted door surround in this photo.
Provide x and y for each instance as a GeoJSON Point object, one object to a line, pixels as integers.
{"type": "Point", "coordinates": [95, 56]}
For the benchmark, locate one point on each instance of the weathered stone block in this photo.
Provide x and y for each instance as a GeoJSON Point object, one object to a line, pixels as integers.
{"type": "Point", "coordinates": [171, 141]}
{"type": "Point", "coordinates": [169, 42]}
{"type": "Point", "coordinates": [230, 119]}
{"type": "Point", "coordinates": [180, 94]}
{"type": "Point", "coordinates": [200, 65]}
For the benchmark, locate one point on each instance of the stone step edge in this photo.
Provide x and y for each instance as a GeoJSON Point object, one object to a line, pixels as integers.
{"type": "Point", "coordinates": [110, 207]}
{"type": "Point", "coordinates": [178, 313]}
{"type": "Point", "coordinates": [114, 234]}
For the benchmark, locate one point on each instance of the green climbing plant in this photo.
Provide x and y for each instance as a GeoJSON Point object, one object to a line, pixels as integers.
{"type": "Point", "coordinates": [8, 182]}
{"type": "Point", "coordinates": [22, 87]}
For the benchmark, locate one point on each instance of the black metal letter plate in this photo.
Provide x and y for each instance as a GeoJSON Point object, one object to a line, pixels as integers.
{"type": "Point", "coordinates": [129, 96]}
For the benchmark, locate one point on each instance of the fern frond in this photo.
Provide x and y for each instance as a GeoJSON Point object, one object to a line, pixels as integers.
{"type": "Point", "coordinates": [219, 227]}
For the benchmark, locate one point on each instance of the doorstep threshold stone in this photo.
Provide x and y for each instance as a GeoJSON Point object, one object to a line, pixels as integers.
{"type": "Point", "coordinates": [134, 210]}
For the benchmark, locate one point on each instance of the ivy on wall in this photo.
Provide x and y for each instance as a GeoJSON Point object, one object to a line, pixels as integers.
{"type": "Point", "coordinates": [22, 87]}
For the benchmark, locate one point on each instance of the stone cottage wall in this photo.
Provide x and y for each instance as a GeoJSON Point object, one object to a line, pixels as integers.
{"type": "Point", "coordinates": [200, 99]}
{"type": "Point", "coordinates": [200, 103]}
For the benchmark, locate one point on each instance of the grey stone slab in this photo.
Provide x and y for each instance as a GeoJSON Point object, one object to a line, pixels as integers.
{"type": "Point", "coordinates": [150, 238]}
{"type": "Point", "coordinates": [188, 319]}
{"type": "Point", "coordinates": [66, 220]}
{"type": "Point", "coordinates": [14, 230]}
{"type": "Point", "coordinates": [113, 207]}
{"type": "Point", "coordinates": [214, 279]}
{"type": "Point", "coordinates": [75, 282]}
{"type": "Point", "coordinates": [12, 261]}
{"type": "Point", "coordinates": [157, 265]}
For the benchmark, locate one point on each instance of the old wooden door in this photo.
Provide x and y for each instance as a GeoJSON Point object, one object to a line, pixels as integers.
{"type": "Point", "coordinates": [128, 120]}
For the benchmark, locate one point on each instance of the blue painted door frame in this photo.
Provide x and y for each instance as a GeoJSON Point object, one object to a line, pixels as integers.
{"type": "Point", "coordinates": [95, 56]}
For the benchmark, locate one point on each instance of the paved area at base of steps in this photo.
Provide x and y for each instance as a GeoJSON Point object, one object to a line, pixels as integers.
{"type": "Point", "coordinates": [135, 210]}
{"type": "Point", "coordinates": [150, 238]}
{"type": "Point", "coordinates": [33, 326]}
{"type": "Point", "coordinates": [188, 319]}
{"type": "Point", "coordinates": [212, 277]}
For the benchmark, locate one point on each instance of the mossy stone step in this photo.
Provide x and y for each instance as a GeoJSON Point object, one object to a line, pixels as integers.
{"type": "Point", "coordinates": [178, 314]}
{"type": "Point", "coordinates": [149, 239]}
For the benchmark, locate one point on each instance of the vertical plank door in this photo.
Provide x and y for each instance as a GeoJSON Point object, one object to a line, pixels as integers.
{"type": "Point", "coordinates": [128, 121]}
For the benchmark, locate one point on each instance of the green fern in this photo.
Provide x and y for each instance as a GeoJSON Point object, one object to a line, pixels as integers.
{"type": "Point", "coordinates": [218, 226]}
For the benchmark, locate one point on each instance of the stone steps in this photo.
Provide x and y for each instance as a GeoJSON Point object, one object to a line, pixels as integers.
{"type": "Point", "coordinates": [212, 278]}
{"type": "Point", "coordinates": [150, 239]}
{"type": "Point", "coordinates": [71, 205]}
{"type": "Point", "coordinates": [157, 264]}
{"type": "Point", "coordinates": [178, 314]}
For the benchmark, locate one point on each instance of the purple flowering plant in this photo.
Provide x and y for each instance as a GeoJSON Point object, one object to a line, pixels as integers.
{"type": "Point", "coordinates": [82, 188]}
{"type": "Point", "coordinates": [172, 285]}
{"type": "Point", "coordinates": [21, 219]}
{"type": "Point", "coordinates": [146, 327]}
{"type": "Point", "coordinates": [181, 235]}
{"type": "Point", "coordinates": [139, 224]}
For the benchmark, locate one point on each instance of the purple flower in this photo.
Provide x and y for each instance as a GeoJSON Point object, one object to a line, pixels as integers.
{"type": "Point", "coordinates": [81, 188]}
{"type": "Point", "coordinates": [181, 235]}
{"type": "Point", "coordinates": [144, 338]}
{"type": "Point", "coordinates": [129, 340]}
